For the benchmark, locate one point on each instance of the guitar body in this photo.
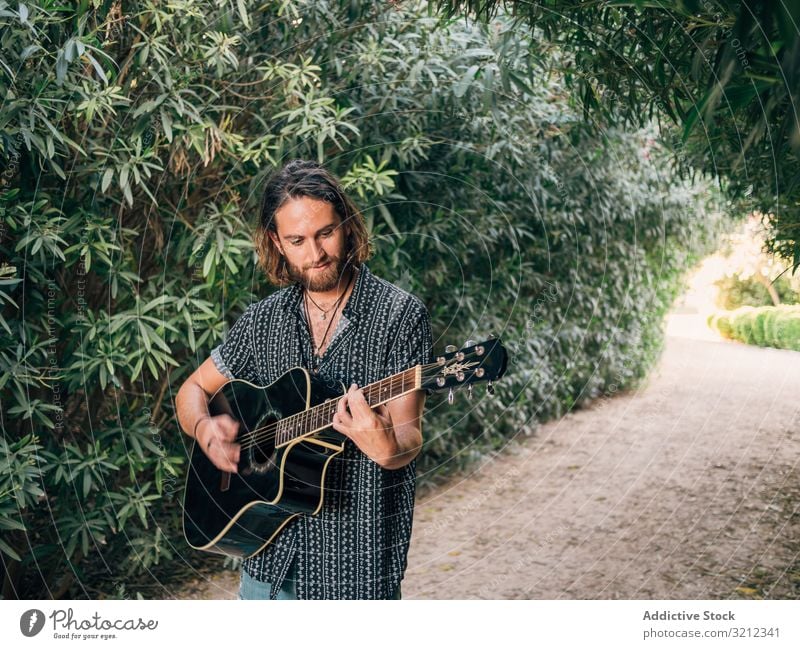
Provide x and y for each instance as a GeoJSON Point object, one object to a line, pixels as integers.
{"type": "Point", "coordinates": [238, 514]}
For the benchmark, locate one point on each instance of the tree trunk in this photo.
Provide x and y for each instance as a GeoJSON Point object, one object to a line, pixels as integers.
{"type": "Point", "coordinates": [776, 299]}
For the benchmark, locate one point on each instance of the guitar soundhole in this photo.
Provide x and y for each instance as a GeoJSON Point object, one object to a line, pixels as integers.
{"type": "Point", "coordinates": [261, 448]}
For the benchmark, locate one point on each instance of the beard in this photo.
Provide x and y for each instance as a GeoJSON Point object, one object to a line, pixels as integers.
{"type": "Point", "coordinates": [318, 280]}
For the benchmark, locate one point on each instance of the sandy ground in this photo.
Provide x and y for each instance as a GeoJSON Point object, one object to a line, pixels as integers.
{"type": "Point", "coordinates": [687, 488]}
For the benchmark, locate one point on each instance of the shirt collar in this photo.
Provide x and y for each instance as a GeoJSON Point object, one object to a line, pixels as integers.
{"type": "Point", "coordinates": [354, 303]}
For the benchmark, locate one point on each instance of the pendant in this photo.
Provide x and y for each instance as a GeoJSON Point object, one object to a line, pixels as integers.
{"type": "Point", "coordinates": [322, 317]}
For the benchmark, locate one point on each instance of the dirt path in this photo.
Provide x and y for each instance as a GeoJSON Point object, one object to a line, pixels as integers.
{"type": "Point", "coordinates": [688, 488]}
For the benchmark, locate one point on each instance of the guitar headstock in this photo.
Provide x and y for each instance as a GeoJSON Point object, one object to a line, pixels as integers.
{"type": "Point", "coordinates": [473, 363]}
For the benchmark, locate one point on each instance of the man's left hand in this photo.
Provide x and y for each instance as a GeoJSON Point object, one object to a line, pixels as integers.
{"type": "Point", "coordinates": [370, 429]}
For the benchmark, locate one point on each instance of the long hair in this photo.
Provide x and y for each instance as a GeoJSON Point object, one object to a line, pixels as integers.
{"type": "Point", "coordinates": [296, 179]}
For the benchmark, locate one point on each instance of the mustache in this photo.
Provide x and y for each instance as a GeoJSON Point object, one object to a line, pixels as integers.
{"type": "Point", "coordinates": [328, 260]}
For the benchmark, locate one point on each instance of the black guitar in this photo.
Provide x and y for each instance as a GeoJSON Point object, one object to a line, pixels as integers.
{"type": "Point", "coordinates": [287, 442]}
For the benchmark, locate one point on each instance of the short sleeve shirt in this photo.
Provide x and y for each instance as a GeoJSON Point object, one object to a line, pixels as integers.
{"type": "Point", "coordinates": [356, 546]}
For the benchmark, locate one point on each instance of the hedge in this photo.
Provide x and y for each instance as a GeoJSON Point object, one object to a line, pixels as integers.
{"type": "Point", "coordinates": [767, 326]}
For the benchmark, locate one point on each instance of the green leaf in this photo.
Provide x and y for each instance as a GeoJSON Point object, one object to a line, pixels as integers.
{"type": "Point", "coordinates": [5, 548]}
{"type": "Point", "coordinates": [387, 216]}
{"type": "Point", "coordinates": [243, 13]}
{"type": "Point", "coordinates": [98, 68]}
{"type": "Point", "coordinates": [87, 483]}
{"type": "Point", "coordinates": [166, 122]}
{"type": "Point", "coordinates": [209, 261]}
{"type": "Point", "coordinates": [30, 50]}
{"type": "Point", "coordinates": [108, 175]}
{"type": "Point", "coordinates": [152, 304]}
{"type": "Point", "coordinates": [460, 89]}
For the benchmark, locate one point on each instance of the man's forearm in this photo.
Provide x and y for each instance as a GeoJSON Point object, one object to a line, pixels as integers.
{"type": "Point", "coordinates": [408, 440]}
{"type": "Point", "coordinates": [191, 405]}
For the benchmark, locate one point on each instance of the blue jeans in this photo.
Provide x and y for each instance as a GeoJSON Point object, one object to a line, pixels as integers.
{"type": "Point", "coordinates": [250, 588]}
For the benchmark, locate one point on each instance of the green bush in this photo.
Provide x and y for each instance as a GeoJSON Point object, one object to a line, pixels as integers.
{"type": "Point", "coordinates": [741, 323]}
{"type": "Point", "coordinates": [770, 335]}
{"type": "Point", "coordinates": [765, 326]}
{"type": "Point", "coordinates": [136, 176]}
{"type": "Point", "coordinates": [787, 330]}
{"type": "Point", "coordinates": [759, 335]}
{"type": "Point", "coordinates": [723, 324]}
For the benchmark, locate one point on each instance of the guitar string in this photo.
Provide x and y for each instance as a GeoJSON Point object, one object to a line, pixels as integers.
{"type": "Point", "coordinates": [259, 435]}
{"type": "Point", "coordinates": [268, 432]}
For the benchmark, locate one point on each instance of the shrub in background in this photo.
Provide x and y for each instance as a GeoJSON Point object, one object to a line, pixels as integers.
{"type": "Point", "coordinates": [766, 326]}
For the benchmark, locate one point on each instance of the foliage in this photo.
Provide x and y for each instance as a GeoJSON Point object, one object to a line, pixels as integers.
{"type": "Point", "coordinates": [753, 277]}
{"type": "Point", "coordinates": [136, 144]}
{"type": "Point", "coordinates": [767, 326]}
{"type": "Point", "coordinates": [735, 292]}
{"type": "Point", "coordinates": [726, 73]}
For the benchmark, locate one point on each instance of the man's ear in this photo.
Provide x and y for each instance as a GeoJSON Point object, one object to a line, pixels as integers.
{"type": "Point", "coordinates": [275, 240]}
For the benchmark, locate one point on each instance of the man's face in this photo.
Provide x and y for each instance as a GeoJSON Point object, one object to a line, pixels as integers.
{"type": "Point", "coordinates": [312, 240]}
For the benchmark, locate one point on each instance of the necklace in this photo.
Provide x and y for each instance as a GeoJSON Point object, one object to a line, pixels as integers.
{"type": "Point", "coordinates": [324, 312]}
{"type": "Point", "coordinates": [331, 308]}
{"type": "Point", "coordinates": [327, 330]}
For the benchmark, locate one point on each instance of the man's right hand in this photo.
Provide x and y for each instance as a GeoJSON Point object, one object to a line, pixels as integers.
{"type": "Point", "coordinates": [217, 438]}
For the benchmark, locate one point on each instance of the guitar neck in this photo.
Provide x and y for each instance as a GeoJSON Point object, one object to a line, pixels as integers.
{"type": "Point", "coordinates": [319, 417]}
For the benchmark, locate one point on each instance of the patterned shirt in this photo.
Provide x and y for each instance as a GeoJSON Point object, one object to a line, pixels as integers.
{"type": "Point", "coordinates": [356, 546]}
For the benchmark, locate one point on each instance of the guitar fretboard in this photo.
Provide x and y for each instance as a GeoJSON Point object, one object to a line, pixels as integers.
{"type": "Point", "coordinates": [321, 416]}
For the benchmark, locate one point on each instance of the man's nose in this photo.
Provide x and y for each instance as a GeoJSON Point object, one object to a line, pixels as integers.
{"type": "Point", "coordinates": [317, 251]}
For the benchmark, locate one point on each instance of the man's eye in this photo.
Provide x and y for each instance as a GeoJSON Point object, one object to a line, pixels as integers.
{"type": "Point", "coordinates": [327, 233]}
{"type": "Point", "coordinates": [295, 243]}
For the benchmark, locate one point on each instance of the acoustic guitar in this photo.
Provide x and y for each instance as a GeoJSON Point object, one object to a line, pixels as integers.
{"type": "Point", "coordinates": [287, 443]}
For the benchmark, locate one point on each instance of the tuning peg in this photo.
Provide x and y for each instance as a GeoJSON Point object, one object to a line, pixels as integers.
{"type": "Point", "coordinates": [470, 342]}
{"type": "Point", "coordinates": [489, 388]}
{"type": "Point", "coordinates": [450, 397]}
{"type": "Point", "coordinates": [469, 391]}
{"type": "Point", "coordinates": [450, 349]}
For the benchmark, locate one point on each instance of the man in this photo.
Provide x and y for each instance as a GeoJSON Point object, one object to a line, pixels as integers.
{"type": "Point", "coordinates": [334, 317]}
